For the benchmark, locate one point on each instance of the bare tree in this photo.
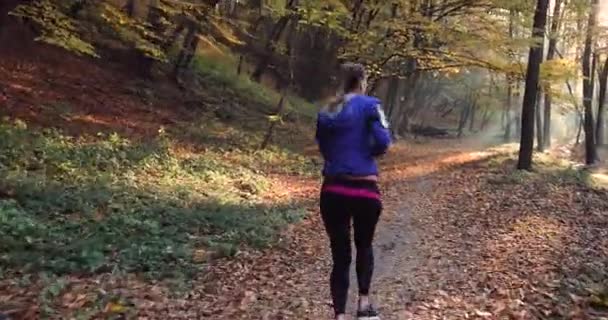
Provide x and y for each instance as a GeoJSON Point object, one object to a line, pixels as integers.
{"type": "Point", "coordinates": [591, 155]}
{"type": "Point", "coordinates": [555, 25]}
{"type": "Point", "coordinates": [532, 77]}
{"type": "Point", "coordinates": [603, 81]}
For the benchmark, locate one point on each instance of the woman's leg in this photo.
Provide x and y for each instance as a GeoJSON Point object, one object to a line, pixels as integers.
{"type": "Point", "coordinates": [337, 225]}
{"type": "Point", "coordinates": [365, 220]}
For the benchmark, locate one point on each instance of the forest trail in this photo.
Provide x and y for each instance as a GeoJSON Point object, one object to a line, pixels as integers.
{"type": "Point", "coordinates": [463, 236]}
{"type": "Point", "coordinates": [457, 241]}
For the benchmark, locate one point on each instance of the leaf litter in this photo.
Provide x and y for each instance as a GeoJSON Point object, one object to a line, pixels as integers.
{"type": "Point", "coordinates": [462, 237]}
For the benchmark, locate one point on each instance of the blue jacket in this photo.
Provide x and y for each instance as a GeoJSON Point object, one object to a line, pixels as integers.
{"type": "Point", "coordinates": [351, 137]}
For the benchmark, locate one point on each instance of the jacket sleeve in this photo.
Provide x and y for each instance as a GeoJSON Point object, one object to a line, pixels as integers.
{"type": "Point", "coordinates": [380, 134]}
{"type": "Point", "coordinates": [321, 139]}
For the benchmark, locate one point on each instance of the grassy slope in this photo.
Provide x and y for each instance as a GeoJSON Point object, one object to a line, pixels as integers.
{"type": "Point", "coordinates": [103, 173]}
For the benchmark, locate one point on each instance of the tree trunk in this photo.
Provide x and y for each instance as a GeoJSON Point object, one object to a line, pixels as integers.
{"type": "Point", "coordinates": [555, 25]}
{"type": "Point", "coordinates": [591, 156]}
{"type": "Point", "coordinates": [539, 122]}
{"type": "Point", "coordinates": [464, 116]}
{"type": "Point", "coordinates": [472, 117]}
{"type": "Point", "coordinates": [391, 93]}
{"type": "Point", "coordinates": [402, 118]}
{"type": "Point", "coordinates": [487, 116]}
{"type": "Point", "coordinates": [274, 37]}
{"type": "Point", "coordinates": [547, 121]}
{"type": "Point", "coordinates": [273, 123]}
{"type": "Point", "coordinates": [510, 83]}
{"type": "Point", "coordinates": [579, 128]}
{"type": "Point", "coordinates": [599, 131]}
{"type": "Point", "coordinates": [187, 52]}
{"type": "Point", "coordinates": [76, 7]}
{"type": "Point", "coordinates": [239, 67]}
{"type": "Point", "coordinates": [507, 136]}
{"type": "Point", "coordinates": [173, 37]}
{"type": "Point", "coordinates": [130, 8]}
{"type": "Point", "coordinates": [532, 77]}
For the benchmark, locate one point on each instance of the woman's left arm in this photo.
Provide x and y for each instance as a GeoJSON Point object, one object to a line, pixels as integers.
{"type": "Point", "coordinates": [321, 139]}
{"type": "Point", "coordinates": [379, 130]}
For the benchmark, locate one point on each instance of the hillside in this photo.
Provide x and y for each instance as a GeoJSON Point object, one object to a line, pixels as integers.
{"type": "Point", "coordinates": [106, 172]}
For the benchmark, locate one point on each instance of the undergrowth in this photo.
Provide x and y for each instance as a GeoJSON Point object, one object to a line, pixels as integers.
{"type": "Point", "coordinates": [107, 203]}
{"type": "Point", "coordinates": [222, 74]}
{"type": "Point", "coordinates": [546, 168]}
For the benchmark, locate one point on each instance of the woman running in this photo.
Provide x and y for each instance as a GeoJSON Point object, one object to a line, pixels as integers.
{"type": "Point", "coordinates": [351, 132]}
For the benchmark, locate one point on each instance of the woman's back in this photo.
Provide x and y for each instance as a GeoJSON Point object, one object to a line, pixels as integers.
{"type": "Point", "coordinates": [351, 136]}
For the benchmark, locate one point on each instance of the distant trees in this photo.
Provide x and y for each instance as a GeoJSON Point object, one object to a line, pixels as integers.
{"type": "Point", "coordinates": [567, 20]}
{"type": "Point", "coordinates": [413, 49]}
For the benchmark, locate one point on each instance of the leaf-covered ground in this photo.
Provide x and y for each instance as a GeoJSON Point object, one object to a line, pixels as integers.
{"type": "Point", "coordinates": [464, 236]}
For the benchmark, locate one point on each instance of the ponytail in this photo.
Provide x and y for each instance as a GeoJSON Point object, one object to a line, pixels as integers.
{"type": "Point", "coordinates": [335, 103]}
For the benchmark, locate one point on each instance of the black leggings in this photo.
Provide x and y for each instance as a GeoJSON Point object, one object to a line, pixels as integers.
{"type": "Point", "coordinates": [337, 210]}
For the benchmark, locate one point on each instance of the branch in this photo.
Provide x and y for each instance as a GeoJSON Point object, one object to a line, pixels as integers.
{"type": "Point", "coordinates": [570, 90]}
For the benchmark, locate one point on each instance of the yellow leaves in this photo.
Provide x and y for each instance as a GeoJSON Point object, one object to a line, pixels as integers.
{"type": "Point", "coordinates": [226, 33]}
{"type": "Point", "coordinates": [115, 307]}
{"type": "Point", "coordinates": [274, 118]}
{"type": "Point", "coordinates": [599, 297]}
{"type": "Point", "coordinates": [132, 32]}
{"type": "Point", "coordinates": [559, 69]}
{"type": "Point", "coordinates": [56, 28]}
{"type": "Point", "coordinates": [200, 255]}
{"type": "Point", "coordinates": [314, 15]}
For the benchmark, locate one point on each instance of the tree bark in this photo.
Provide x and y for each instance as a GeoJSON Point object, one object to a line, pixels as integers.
{"type": "Point", "coordinates": [510, 83]}
{"type": "Point", "coordinates": [507, 136]}
{"type": "Point", "coordinates": [539, 122]}
{"type": "Point", "coordinates": [173, 37]}
{"type": "Point", "coordinates": [275, 36]}
{"type": "Point", "coordinates": [464, 116]}
{"type": "Point", "coordinates": [187, 51]}
{"type": "Point", "coordinates": [600, 132]}
{"type": "Point", "coordinates": [579, 128]}
{"type": "Point", "coordinates": [485, 120]}
{"type": "Point", "coordinates": [391, 93]}
{"type": "Point", "coordinates": [591, 155]}
{"type": "Point", "coordinates": [407, 109]}
{"type": "Point", "coordinates": [268, 135]}
{"type": "Point", "coordinates": [472, 117]}
{"type": "Point", "coordinates": [555, 25]}
{"type": "Point", "coordinates": [532, 77]}
{"type": "Point", "coordinates": [130, 8]}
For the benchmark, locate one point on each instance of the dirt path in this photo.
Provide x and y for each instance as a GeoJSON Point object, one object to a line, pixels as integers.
{"type": "Point", "coordinates": [459, 239]}
{"type": "Point", "coordinates": [404, 256]}
{"type": "Point", "coordinates": [291, 282]}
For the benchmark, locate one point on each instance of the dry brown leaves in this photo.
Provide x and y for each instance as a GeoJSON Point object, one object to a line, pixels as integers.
{"type": "Point", "coordinates": [459, 240]}
{"type": "Point", "coordinates": [530, 250]}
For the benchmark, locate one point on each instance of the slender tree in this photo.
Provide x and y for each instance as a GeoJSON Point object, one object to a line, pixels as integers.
{"type": "Point", "coordinates": [509, 104]}
{"type": "Point", "coordinates": [588, 87]}
{"type": "Point", "coordinates": [603, 81]}
{"type": "Point", "coordinates": [532, 77]}
{"type": "Point", "coordinates": [555, 25]}
{"type": "Point", "coordinates": [539, 121]}
{"type": "Point", "coordinates": [275, 35]}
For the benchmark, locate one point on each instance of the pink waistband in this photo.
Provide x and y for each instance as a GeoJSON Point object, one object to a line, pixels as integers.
{"type": "Point", "coordinates": [351, 192]}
